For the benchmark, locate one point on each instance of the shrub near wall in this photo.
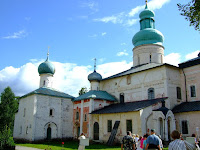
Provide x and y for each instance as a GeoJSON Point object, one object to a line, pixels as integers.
{"type": "Point", "coordinates": [6, 140]}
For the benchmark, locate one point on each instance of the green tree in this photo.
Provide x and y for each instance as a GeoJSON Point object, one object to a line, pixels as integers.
{"type": "Point", "coordinates": [6, 139]}
{"type": "Point", "coordinates": [83, 91]}
{"type": "Point", "coordinates": [8, 108]}
{"type": "Point", "coordinates": [191, 11]}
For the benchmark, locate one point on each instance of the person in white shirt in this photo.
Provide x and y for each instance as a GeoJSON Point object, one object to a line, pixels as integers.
{"type": "Point", "coordinates": [178, 144]}
{"type": "Point", "coordinates": [81, 147]}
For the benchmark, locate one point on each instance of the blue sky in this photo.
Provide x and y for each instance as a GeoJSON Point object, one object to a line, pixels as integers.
{"type": "Point", "coordinates": [78, 31]}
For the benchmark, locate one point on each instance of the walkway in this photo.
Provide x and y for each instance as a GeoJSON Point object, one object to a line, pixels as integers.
{"type": "Point", "coordinates": [25, 148]}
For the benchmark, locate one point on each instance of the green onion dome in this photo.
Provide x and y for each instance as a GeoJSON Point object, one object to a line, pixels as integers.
{"type": "Point", "coordinates": [46, 67]}
{"type": "Point", "coordinates": [147, 34]}
{"type": "Point", "coordinates": [94, 76]}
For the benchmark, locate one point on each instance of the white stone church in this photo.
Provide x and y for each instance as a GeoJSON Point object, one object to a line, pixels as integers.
{"type": "Point", "coordinates": [151, 94]}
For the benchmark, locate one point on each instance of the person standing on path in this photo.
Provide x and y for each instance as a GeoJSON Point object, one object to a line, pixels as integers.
{"type": "Point", "coordinates": [153, 141]}
{"type": "Point", "coordinates": [128, 143]}
{"type": "Point", "coordinates": [81, 147]}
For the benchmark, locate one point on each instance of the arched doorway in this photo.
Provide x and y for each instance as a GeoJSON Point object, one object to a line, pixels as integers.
{"type": "Point", "coordinates": [96, 131]}
{"type": "Point", "coordinates": [49, 133]}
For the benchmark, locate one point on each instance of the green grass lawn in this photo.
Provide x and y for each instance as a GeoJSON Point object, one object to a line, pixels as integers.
{"type": "Point", "coordinates": [71, 145]}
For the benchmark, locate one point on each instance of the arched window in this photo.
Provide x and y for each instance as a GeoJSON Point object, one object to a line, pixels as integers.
{"type": "Point", "coordinates": [85, 117]}
{"type": "Point", "coordinates": [77, 115]}
{"type": "Point", "coordinates": [51, 112]}
{"type": "Point", "coordinates": [20, 130]}
{"type": "Point", "coordinates": [150, 58]}
{"type": "Point", "coordinates": [27, 130]}
{"type": "Point", "coordinates": [44, 83]}
{"type": "Point", "coordinates": [192, 91]}
{"type": "Point", "coordinates": [24, 112]}
{"type": "Point", "coordinates": [178, 92]}
{"type": "Point", "coordinates": [121, 97]}
{"type": "Point", "coordinates": [151, 94]}
{"type": "Point", "coordinates": [128, 80]}
{"type": "Point", "coordinates": [138, 60]}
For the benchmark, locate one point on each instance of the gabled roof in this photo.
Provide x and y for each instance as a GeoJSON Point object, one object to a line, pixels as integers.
{"type": "Point", "coordinates": [189, 63]}
{"type": "Point", "coordinates": [48, 92]}
{"type": "Point", "coordinates": [127, 107]}
{"type": "Point", "coordinates": [102, 95]}
{"type": "Point", "coordinates": [187, 107]}
{"type": "Point", "coordinates": [138, 68]}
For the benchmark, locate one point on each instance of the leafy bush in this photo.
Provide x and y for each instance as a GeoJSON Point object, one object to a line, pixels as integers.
{"type": "Point", "coordinates": [6, 139]}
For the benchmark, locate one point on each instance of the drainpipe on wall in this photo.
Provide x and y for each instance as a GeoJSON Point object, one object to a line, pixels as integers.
{"type": "Point", "coordinates": [185, 86]}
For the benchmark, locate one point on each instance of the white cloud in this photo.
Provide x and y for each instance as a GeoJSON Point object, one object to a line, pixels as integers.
{"type": "Point", "coordinates": [131, 22]}
{"type": "Point", "coordinates": [17, 35]}
{"type": "Point", "coordinates": [22, 80]}
{"type": "Point", "coordinates": [157, 4]}
{"type": "Point", "coordinates": [101, 60]}
{"type": "Point", "coordinates": [135, 10]}
{"type": "Point", "coordinates": [124, 17]}
{"type": "Point", "coordinates": [173, 59]}
{"type": "Point", "coordinates": [104, 33]}
{"type": "Point", "coordinates": [122, 53]}
{"type": "Point", "coordinates": [192, 55]}
{"type": "Point", "coordinates": [123, 43]}
{"type": "Point", "coordinates": [112, 68]}
{"type": "Point", "coordinates": [68, 78]}
{"type": "Point", "coordinates": [91, 5]}
{"type": "Point", "coordinates": [113, 19]}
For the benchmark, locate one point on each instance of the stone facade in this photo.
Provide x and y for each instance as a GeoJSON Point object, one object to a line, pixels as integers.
{"type": "Point", "coordinates": [38, 112]}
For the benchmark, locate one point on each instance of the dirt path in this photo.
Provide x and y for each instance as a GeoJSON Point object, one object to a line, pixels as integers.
{"type": "Point", "coordinates": [25, 148]}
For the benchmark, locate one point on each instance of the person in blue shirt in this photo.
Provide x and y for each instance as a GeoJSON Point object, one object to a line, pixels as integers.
{"type": "Point", "coordinates": [153, 141]}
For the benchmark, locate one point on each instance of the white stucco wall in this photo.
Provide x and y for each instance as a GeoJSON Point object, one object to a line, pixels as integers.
{"type": "Point", "coordinates": [61, 119]}
{"type": "Point", "coordinates": [46, 80]}
{"type": "Point", "coordinates": [140, 83]}
{"type": "Point", "coordinates": [26, 105]}
{"type": "Point", "coordinates": [193, 121]}
{"type": "Point", "coordinates": [37, 117]}
{"type": "Point", "coordinates": [122, 117]}
{"type": "Point", "coordinates": [141, 54]}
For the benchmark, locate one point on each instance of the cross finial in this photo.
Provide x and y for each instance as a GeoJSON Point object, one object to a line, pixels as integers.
{"type": "Point", "coordinates": [146, 4]}
{"type": "Point", "coordinates": [48, 53]}
{"type": "Point", "coordinates": [95, 60]}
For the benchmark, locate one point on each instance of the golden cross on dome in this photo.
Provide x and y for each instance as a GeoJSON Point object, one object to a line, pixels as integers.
{"type": "Point", "coordinates": [146, 1]}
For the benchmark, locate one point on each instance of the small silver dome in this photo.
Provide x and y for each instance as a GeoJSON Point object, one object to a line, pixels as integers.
{"type": "Point", "coordinates": [94, 76]}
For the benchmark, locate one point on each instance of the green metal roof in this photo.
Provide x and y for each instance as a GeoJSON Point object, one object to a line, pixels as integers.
{"type": "Point", "coordinates": [48, 92]}
{"type": "Point", "coordinates": [147, 34]}
{"type": "Point", "coordinates": [46, 67]}
{"type": "Point", "coordinates": [146, 13]}
{"type": "Point", "coordinates": [102, 95]}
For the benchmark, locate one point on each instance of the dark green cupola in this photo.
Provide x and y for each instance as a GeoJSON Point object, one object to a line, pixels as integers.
{"type": "Point", "coordinates": [147, 34]}
{"type": "Point", "coordinates": [46, 67]}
